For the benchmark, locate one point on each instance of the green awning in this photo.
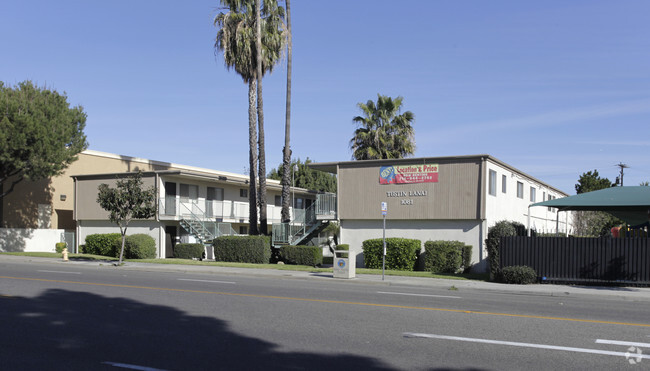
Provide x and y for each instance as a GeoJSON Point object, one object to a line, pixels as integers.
{"type": "Point", "coordinates": [631, 204]}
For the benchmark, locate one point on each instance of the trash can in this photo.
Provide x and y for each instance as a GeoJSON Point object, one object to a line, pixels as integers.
{"type": "Point", "coordinates": [344, 264]}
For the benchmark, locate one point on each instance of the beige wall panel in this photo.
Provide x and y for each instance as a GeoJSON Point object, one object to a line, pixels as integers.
{"type": "Point", "coordinates": [87, 191]}
{"type": "Point", "coordinates": [454, 196]}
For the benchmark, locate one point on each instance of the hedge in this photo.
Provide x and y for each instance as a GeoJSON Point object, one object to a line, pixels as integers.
{"type": "Point", "coordinates": [500, 229]}
{"type": "Point", "coordinates": [518, 274]}
{"type": "Point", "coordinates": [343, 246]}
{"type": "Point", "coordinates": [101, 244]}
{"type": "Point", "coordinates": [188, 251]}
{"type": "Point", "coordinates": [242, 249]}
{"type": "Point", "coordinates": [60, 246]}
{"type": "Point", "coordinates": [137, 246]}
{"type": "Point", "coordinates": [401, 253]}
{"type": "Point", "coordinates": [443, 256]}
{"type": "Point", "coordinates": [302, 255]}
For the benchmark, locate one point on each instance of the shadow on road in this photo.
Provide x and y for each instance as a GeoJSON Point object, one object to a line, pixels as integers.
{"type": "Point", "coordinates": [70, 330]}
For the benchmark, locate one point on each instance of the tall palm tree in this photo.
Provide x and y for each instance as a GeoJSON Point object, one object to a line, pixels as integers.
{"type": "Point", "coordinates": [237, 40]}
{"type": "Point", "coordinates": [383, 132]}
{"type": "Point", "coordinates": [286, 151]}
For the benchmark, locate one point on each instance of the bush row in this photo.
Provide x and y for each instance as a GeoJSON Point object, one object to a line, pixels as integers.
{"type": "Point", "coordinates": [242, 249]}
{"type": "Point", "coordinates": [136, 246]}
{"type": "Point", "coordinates": [302, 255]}
{"type": "Point", "coordinates": [401, 253]}
{"type": "Point", "coordinates": [447, 256]}
{"type": "Point", "coordinates": [503, 228]}
{"type": "Point", "coordinates": [188, 251]}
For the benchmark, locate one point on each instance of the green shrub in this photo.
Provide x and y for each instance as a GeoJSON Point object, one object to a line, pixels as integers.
{"type": "Point", "coordinates": [136, 246]}
{"type": "Point", "coordinates": [500, 229]}
{"type": "Point", "coordinates": [467, 258]}
{"type": "Point", "coordinates": [401, 253]}
{"type": "Point", "coordinates": [242, 249]}
{"type": "Point", "coordinates": [101, 244]}
{"type": "Point", "coordinates": [60, 246]}
{"type": "Point", "coordinates": [302, 255]}
{"type": "Point", "coordinates": [343, 246]}
{"type": "Point", "coordinates": [443, 256]}
{"type": "Point", "coordinates": [518, 274]}
{"type": "Point", "coordinates": [188, 251]}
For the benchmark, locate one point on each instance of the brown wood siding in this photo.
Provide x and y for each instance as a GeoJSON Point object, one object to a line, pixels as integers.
{"type": "Point", "coordinates": [454, 196]}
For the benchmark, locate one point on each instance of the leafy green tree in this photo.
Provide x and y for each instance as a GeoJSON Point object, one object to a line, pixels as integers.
{"type": "Point", "coordinates": [593, 223]}
{"type": "Point", "coordinates": [383, 132]}
{"type": "Point", "coordinates": [40, 134]}
{"type": "Point", "coordinates": [237, 40]}
{"type": "Point", "coordinates": [645, 184]}
{"type": "Point", "coordinates": [306, 177]}
{"type": "Point", "coordinates": [286, 151]}
{"type": "Point", "coordinates": [127, 201]}
{"type": "Point", "coordinates": [591, 181]}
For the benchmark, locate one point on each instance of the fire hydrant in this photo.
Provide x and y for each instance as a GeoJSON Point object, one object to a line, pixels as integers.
{"type": "Point", "coordinates": [65, 254]}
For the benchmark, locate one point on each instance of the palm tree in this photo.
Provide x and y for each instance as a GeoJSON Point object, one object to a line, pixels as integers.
{"type": "Point", "coordinates": [237, 40]}
{"type": "Point", "coordinates": [383, 132]}
{"type": "Point", "coordinates": [286, 151]}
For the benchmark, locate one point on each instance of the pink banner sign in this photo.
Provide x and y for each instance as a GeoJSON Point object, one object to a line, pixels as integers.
{"type": "Point", "coordinates": [401, 174]}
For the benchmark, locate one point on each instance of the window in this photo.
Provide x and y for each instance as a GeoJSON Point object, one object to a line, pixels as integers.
{"type": "Point", "coordinates": [215, 194]}
{"type": "Point", "coordinates": [278, 200]}
{"type": "Point", "coordinates": [503, 183]}
{"type": "Point", "coordinates": [243, 229]}
{"type": "Point", "coordinates": [298, 203]}
{"type": "Point", "coordinates": [551, 198]}
{"type": "Point", "coordinates": [243, 192]}
{"type": "Point", "coordinates": [532, 194]}
{"type": "Point", "coordinates": [543, 196]}
{"type": "Point", "coordinates": [493, 183]}
{"type": "Point", "coordinates": [520, 189]}
{"type": "Point", "coordinates": [189, 192]}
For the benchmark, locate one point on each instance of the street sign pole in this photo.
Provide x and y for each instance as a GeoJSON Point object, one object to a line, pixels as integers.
{"type": "Point", "coordinates": [384, 211]}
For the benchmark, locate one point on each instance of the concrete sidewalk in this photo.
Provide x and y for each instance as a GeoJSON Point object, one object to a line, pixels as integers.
{"type": "Point", "coordinates": [614, 293]}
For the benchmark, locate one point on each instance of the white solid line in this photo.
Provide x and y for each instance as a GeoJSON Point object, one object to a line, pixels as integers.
{"type": "Point", "coordinates": [132, 367]}
{"type": "Point", "coordinates": [625, 343]}
{"type": "Point", "coordinates": [60, 272]}
{"type": "Point", "coordinates": [187, 279]}
{"type": "Point", "coordinates": [527, 345]}
{"type": "Point", "coordinates": [409, 294]}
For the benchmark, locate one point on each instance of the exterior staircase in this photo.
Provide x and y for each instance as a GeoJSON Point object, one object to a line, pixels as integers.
{"type": "Point", "coordinates": [306, 224]}
{"type": "Point", "coordinates": [203, 229]}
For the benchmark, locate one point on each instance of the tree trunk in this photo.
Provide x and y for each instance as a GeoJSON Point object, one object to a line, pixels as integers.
{"type": "Point", "coordinates": [252, 159]}
{"type": "Point", "coordinates": [260, 118]}
{"type": "Point", "coordinates": [286, 152]}
{"type": "Point", "coordinates": [123, 231]}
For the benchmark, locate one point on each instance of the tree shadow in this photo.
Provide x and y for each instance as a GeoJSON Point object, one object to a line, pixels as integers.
{"type": "Point", "coordinates": [69, 330]}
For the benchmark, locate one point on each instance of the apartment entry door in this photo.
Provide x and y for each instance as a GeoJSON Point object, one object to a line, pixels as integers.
{"type": "Point", "coordinates": [190, 200]}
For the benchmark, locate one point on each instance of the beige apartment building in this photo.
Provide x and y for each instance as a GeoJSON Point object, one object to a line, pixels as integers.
{"type": "Point", "coordinates": [192, 202]}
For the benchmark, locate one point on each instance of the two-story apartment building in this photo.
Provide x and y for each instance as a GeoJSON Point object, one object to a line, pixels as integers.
{"type": "Point", "coordinates": [37, 214]}
{"type": "Point", "coordinates": [437, 198]}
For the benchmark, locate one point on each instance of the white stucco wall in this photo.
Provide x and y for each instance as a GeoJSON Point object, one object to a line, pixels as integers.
{"type": "Point", "coordinates": [507, 206]}
{"type": "Point", "coordinates": [29, 240]}
{"type": "Point", "coordinates": [470, 232]}
{"type": "Point", "coordinates": [149, 227]}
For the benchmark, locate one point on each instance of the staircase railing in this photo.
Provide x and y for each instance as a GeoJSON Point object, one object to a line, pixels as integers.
{"type": "Point", "coordinates": [304, 221]}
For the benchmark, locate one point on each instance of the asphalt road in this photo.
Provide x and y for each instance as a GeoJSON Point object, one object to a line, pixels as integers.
{"type": "Point", "coordinates": [68, 317]}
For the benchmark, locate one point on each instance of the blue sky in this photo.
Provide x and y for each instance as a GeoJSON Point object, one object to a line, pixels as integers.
{"type": "Point", "coordinates": [553, 88]}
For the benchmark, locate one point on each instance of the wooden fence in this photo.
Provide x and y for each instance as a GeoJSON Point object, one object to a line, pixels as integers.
{"type": "Point", "coordinates": [580, 260]}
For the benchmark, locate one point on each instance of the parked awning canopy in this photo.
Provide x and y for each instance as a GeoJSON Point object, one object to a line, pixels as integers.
{"type": "Point", "coordinates": [631, 204]}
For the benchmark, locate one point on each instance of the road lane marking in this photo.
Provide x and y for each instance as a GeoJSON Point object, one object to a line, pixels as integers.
{"type": "Point", "coordinates": [187, 279]}
{"type": "Point", "coordinates": [525, 345]}
{"type": "Point", "coordinates": [132, 367]}
{"type": "Point", "coordinates": [625, 343]}
{"type": "Point", "coordinates": [426, 295]}
{"type": "Point", "coordinates": [335, 302]}
{"type": "Point", "coordinates": [59, 272]}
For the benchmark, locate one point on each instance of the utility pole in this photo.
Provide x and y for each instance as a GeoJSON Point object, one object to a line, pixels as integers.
{"type": "Point", "coordinates": [622, 166]}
